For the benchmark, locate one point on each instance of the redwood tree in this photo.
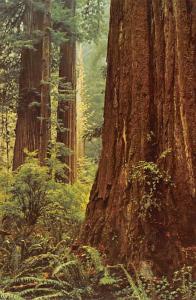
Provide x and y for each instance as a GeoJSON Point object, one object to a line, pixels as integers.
{"type": "Point", "coordinates": [45, 84]}
{"type": "Point", "coordinates": [66, 113]}
{"type": "Point", "coordinates": [32, 128]}
{"type": "Point", "coordinates": [141, 205]}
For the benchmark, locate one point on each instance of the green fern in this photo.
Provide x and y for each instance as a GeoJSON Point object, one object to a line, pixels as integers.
{"type": "Point", "coordinates": [72, 272]}
{"type": "Point", "coordinates": [59, 269]}
{"type": "Point", "coordinates": [107, 279]}
{"type": "Point", "coordinates": [30, 271]}
{"type": "Point", "coordinates": [56, 296]}
{"type": "Point", "coordinates": [41, 288]}
{"type": "Point", "coordinates": [138, 292]}
{"type": "Point", "coordinates": [9, 296]}
{"type": "Point", "coordinates": [37, 292]}
{"type": "Point", "coordinates": [19, 281]}
{"type": "Point", "coordinates": [57, 284]}
{"type": "Point", "coordinates": [95, 258]}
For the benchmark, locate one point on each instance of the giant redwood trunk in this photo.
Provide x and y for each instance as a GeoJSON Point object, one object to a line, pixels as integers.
{"type": "Point", "coordinates": [66, 113]}
{"type": "Point", "coordinates": [32, 132]}
{"type": "Point", "coordinates": [141, 209]}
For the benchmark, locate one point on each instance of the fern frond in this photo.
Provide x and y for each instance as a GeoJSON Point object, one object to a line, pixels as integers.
{"type": "Point", "coordinates": [71, 272]}
{"type": "Point", "coordinates": [107, 279]}
{"type": "Point", "coordinates": [62, 267]}
{"type": "Point", "coordinates": [35, 247]}
{"type": "Point", "coordinates": [37, 291]}
{"type": "Point", "coordinates": [20, 280]}
{"type": "Point", "coordinates": [95, 258]}
{"type": "Point", "coordinates": [56, 296]}
{"type": "Point", "coordinates": [41, 258]}
{"type": "Point", "coordinates": [31, 271]}
{"type": "Point", "coordinates": [62, 243]}
{"type": "Point", "coordinates": [9, 296]}
{"type": "Point", "coordinates": [54, 283]}
{"type": "Point", "coordinates": [138, 292]}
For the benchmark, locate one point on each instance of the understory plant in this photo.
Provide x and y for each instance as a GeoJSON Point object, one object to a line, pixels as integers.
{"type": "Point", "coordinates": [39, 256]}
{"type": "Point", "coordinates": [150, 178]}
{"type": "Point", "coordinates": [37, 212]}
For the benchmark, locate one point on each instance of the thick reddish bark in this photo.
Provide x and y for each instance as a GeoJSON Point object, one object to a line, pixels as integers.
{"type": "Point", "coordinates": [28, 123]}
{"type": "Point", "coordinates": [149, 109]}
{"type": "Point", "coordinates": [66, 113]}
{"type": "Point", "coordinates": [32, 114]}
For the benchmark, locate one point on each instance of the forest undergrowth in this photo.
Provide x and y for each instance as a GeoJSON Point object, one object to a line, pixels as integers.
{"type": "Point", "coordinates": [40, 256]}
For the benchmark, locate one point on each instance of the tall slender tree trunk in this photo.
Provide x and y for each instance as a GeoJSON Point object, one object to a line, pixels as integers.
{"type": "Point", "coordinates": [32, 115]}
{"type": "Point", "coordinates": [45, 85]}
{"type": "Point", "coordinates": [66, 113]}
{"type": "Point", "coordinates": [141, 208]}
{"type": "Point", "coordinates": [7, 139]}
{"type": "Point", "coordinates": [28, 113]}
{"type": "Point", "coordinates": [80, 103]}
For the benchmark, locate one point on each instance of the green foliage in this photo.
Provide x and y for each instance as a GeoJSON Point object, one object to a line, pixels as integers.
{"type": "Point", "coordinates": [38, 212]}
{"type": "Point", "coordinates": [33, 195]}
{"type": "Point", "coordinates": [94, 95]}
{"type": "Point", "coordinates": [31, 190]}
{"type": "Point", "coordinates": [151, 179]}
{"type": "Point", "coordinates": [90, 18]}
{"type": "Point", "coordinates": [9, 296]}
{"type": "Point", "coordinates": [94, 258]}
{"type": "Point", "coordinates": [60, 274]}
{"type": "Point", "coordinates": [138, 287]}
{"type": "Point", "coordinates": [165, 153]}
{"type": "Point", "coordinates": [184, 283]}
{"type": "Point", "coordinates": [56, 278]}
{"type": "Point", "coordinates": [107, 279]}
{"type": "Point", "coordinates": [6, 180]}
{"type": "Point", "coordinates": [94, 59]}
{"type": "Point", "coordinates": [138, 290]}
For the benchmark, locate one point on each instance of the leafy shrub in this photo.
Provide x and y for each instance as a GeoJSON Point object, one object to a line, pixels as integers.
{"type": "Point", "coordinates": [150, 178]}
{"type": "Point", "coordinates": [37, 212]}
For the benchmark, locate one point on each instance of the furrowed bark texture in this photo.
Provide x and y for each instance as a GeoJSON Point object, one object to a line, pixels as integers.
{"type": "Point", "coordinates": [149, 111]}
{"type": "Point", "coordinates": [33, 107]}
{"type": "Point", "coordinates": [66, 113]}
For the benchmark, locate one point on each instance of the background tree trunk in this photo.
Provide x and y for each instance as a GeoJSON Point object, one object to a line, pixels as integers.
{"type": "Point", "coordinates": [149, 116]}
{"type": "Point", "coordinates": [66, 113]}
{"type": "Point", "coordinates": [45, 84]}
{"type": "Point", "coordinates": [28, 123]}
{"type": "Point", "coordinates": [80, 103]}
{"type": "Point", "coordinates": [31, 131]}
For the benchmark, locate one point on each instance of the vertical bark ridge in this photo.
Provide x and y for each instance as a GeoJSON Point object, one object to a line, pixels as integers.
{"type": "Point", "coordinates": [66, 113]}
{"type": "Point", "coordinates": [32, 127]}
{"type": "Point", "coordinates": [28, 113]}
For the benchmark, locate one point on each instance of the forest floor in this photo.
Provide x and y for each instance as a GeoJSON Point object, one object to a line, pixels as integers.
{"type": "Point", "coordinates": [40, 258]}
